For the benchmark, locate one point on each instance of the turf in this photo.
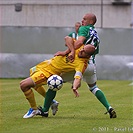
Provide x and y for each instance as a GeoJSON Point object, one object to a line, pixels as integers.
{"type": "Point", "coordinates": [76, 115]}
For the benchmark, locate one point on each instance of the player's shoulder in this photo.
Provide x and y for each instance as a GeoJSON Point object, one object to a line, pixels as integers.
{"type": "Point", "coordinates": [71, 34]}
{"type": "Point", "coordinates": [82, 27]}
{"type": "Point", "coordinates": [83, 30]}
{"type": "Point", "coordinates": [86, 27]}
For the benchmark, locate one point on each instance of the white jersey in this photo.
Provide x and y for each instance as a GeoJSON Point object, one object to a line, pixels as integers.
{"type": "Point", "coordinates": [89, 75]}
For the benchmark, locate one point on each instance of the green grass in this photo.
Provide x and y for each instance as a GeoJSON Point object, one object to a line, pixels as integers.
{"type": "Point", "coordinates": [76, 115]}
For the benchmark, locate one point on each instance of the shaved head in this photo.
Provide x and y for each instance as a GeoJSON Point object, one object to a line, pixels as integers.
{"type": "Point", "coordinates": [92, 17]}
{"type": "Point", "coordinates": [89, 18]}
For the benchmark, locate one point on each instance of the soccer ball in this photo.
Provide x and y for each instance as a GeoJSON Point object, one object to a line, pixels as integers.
{"type": "Point", "coordinates": [55, 82]}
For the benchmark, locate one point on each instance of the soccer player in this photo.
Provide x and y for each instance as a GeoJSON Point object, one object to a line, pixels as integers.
{"type": "Point", "coordinates": [88, 35]}
{"type": "Point", "coordinates": [41, 72]}
{"type": "Point", "coordinates": [74, 35]}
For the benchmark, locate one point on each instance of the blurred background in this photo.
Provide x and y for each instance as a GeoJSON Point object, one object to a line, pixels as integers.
{"type": "Point", "coordinates": [33, 30]}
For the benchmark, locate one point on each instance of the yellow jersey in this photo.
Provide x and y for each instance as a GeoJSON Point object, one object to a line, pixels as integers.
{"type": "Point", "coordinates": [58, 65]}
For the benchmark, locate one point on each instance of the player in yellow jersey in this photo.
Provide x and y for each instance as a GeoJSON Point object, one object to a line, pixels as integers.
{"type": "Point", "coordinates": [86, 35]}
{"type": "Point", "coordinates": [57, 65]}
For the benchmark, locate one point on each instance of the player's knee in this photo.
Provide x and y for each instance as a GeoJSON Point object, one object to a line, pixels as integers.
{"type": "Point", "coordinates": [26, 84]}
{"type": "Point", "coordinates": [23, 86]}
{"type": "Point", "coordinates": [93, 89]}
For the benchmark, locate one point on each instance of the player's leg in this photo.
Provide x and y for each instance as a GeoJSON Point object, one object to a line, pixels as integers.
{"type": "Point", "coordinates": [54, 104]}
{"type": "Point", "coordinates": [49, 97]}
{"type": "Point", "coordinates": [91, 79]}
{"type": "Point", "coordinates": [51, 94]}
{"type": "Point", "coordinates": [25, 86]}
{"type": "Point", "coordinates": [41, 90]}
{"type": "Point", "coordinates": [101, 97]}
{"type": "Point", "coordinates": [37, 78]}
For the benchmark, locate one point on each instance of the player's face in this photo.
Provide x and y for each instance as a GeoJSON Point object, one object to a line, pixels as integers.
{"type": "Point", "coordinates": [86, 20]}
{"type": "Point", "coordinates": [83, 53]}
{"type": "Point", "coordinates": [77, 26]}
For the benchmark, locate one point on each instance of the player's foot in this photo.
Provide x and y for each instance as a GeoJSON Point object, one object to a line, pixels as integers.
{"type": "Point", "coordinates": [112, 113]}
{"type": "Point", "coordinates": [43, 114]}
{"type": "Point", "coordinates": [31, 113]}
{"type": "Point", "coordinates": [54, 107]}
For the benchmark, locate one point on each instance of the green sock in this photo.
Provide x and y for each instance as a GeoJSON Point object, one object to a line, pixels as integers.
{"type": "Point", "coordinates": [101, 97]}
{"type": "Point", "coordinates": [50, 95]}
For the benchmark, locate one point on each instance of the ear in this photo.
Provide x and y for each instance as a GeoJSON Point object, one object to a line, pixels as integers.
{"type": "Point", "coordinates": [88, 56]}
{"type": "Point", "coordinates": [91, 49]}
{"type": "Point", "coordinates": [91, 22]}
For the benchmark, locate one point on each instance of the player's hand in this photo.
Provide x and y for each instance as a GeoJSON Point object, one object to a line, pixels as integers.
{"type": "Point", "coordinates": [71, 57]}
{"type": "Point", "coordinates": [60, 53]}
{"type": "Point", "coordinates": [75, 91]}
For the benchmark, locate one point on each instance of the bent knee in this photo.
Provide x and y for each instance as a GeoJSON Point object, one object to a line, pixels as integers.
{"type": "Point", "coordinates": [23, 86]}
{"type": "Point", "coordinates": [26, 84]}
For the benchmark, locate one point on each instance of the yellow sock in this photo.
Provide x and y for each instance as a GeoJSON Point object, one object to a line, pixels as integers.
{"type": "Point", "coordinates": [30, 97]}
{"type": "Point", "coordinates": [41, 90]}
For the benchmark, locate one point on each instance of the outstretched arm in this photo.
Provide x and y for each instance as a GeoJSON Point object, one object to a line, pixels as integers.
{"type": "Point", "coordinates": [77, 82]}
{"type": "Point", "coordinates": [76, 85]}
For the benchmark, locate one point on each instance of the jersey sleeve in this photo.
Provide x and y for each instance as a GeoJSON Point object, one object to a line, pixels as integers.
{"type": "Point", "coordinates": [83, 31]}
{"type": "Point", "coordinates": [81, 67]}
{"type": "Point", "coordinates": [78, 75]}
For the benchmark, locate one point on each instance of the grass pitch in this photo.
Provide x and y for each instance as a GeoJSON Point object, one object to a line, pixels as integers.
{"type": "Point", "coordinates": [76, 115]}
